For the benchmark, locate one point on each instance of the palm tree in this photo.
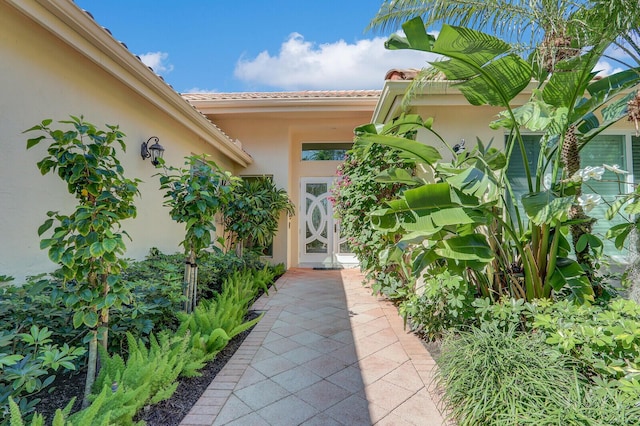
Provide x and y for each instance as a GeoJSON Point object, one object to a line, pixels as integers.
{"type": "Point", "coordinates": [620, 17]}
{"type": "Point", "coordinates": [557, 28]}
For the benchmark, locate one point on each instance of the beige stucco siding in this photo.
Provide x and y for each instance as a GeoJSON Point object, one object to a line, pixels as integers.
{"type": "Point", "coordinates": [275, 142]}
{"type": "Point", "coordinates": [269, 146]}
{"type": "Point", "coordinates": [43, 77]}
{"type": "Point", "coordinates": [454, 123]}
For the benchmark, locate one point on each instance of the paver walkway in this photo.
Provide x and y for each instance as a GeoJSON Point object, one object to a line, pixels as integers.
{"type": "Point", "coordinates": [326, 353]}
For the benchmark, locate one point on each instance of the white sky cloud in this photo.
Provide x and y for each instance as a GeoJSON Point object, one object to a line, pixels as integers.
{"type": "Point", "coordinates": [606, 68]}
{"type": "Point", "coordinates": [199, 90]}
{"type": "Point", "coordinates": [304, 65]}
{"type": "Point", "coordinates": [157, 61]}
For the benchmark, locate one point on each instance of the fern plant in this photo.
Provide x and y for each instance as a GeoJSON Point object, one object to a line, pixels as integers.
{"type": "Point", "coordinates": [214, 322]}
{"type": "Point", "coordinates": [157, 367]}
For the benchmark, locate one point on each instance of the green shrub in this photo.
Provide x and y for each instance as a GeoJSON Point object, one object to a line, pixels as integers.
{"type": "Point", "coordinates": [152, 365]}
{"type": "Point", "coordinates": [506, 313]}
{"type": "Point", "coordinates": [604, 339]}
{"type": "Point", "coordinates": [215, 267]}
{"type": "Point", "coordinates": [445, 303]}
{"type": "Point", "coordinates": [155, 285]}
{"type": "Point", "coordinates": [148, 376]}
{"type": "Point", "coordinates": [355, 195]}
{"type": "Point", "coordinates": [251, 215]}
{"type": "Point", "coordinates": [37, 302]}
{"type": "Point", "coordinates": [496, 377]}
{"type": "Point", "coordinates": [30, 365]}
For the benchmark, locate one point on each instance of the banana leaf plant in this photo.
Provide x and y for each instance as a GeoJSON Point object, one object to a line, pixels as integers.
{"type": "Point", "coordinates": [466, 217]}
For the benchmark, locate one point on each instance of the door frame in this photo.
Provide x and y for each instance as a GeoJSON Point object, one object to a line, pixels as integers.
{"type": "Point", "coordinates": [333, 258]}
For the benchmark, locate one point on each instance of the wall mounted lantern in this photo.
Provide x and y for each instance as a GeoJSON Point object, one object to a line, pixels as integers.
{"type": "Point", "coordinates": [154, 151]}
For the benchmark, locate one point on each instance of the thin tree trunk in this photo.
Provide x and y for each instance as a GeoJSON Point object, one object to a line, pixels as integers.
{"type": "Point", "coordinates": [194, 285]}
{"type": "Point", "coordinates": [190, 282]}
{"type": "Point", "coordinates": [104, 315]}
{"type": "Point", "coordinates": [104, 338]}
{"type": "Point", "coordinates": [239, 248]}
{"type": "Point", "coordinates": [91, 368]}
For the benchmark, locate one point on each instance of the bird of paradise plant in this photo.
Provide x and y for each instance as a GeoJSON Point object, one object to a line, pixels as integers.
{"type": "Point", "coordinates": [466, 218]}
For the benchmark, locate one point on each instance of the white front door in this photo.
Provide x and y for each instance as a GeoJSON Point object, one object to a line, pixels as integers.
{"type": "Point", "coordinates": [320, 241]}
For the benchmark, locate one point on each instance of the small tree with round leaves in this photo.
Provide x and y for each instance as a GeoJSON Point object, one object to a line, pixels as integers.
{"type": "Point", "coordinates": [195, 194]}
{"type": "Point", "coordinates": [88, 242]}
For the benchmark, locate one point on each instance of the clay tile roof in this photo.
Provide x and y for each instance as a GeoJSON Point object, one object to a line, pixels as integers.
{"type": "Point", "coordinates": [307, 94]}
{"type": "Point", "coordinates": [399, 74]}
{"type": "Point", "coordinates": [108, 31]}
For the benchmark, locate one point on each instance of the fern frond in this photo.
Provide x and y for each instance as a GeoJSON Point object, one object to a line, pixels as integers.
{"type": "Point", "coordinates": [16, 415]}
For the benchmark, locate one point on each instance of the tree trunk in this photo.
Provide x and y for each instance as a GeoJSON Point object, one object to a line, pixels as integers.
{"type": "Point", "coordinates": [190, 282]}
{"type": "Point", "coordinates": [91, 367]}
{"type": "Point", "coordinates": [571, 160]}
{"type": "Point", "coordinates": [104, 315]}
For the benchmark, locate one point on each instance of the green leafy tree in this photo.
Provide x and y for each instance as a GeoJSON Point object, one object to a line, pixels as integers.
{"type": "Point", "coordinates": [354, 196]}
{"type": "Point", "coordinates": [195, 194]}
{"type": "Point", "coordinates": [550, 31]}
{"type": "Point", "coordinates": [251, 214]}
{"type": "Point", "coordinates": [88, 243]}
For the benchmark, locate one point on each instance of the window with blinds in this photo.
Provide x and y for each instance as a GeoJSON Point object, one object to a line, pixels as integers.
{"type": "Point", "coordinates": [635, 158]}
{"type": "Point", "coordinates": [603, 149]}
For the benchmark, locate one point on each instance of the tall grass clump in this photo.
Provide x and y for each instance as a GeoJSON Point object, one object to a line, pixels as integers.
{"type": "Point", "coordinates": [503, 377]}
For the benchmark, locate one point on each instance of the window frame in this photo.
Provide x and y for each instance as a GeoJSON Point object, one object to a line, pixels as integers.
{"type": "Point", "coordinates": [333, 145]}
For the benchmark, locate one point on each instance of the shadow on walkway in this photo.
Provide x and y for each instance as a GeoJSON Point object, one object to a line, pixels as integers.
{"type": "Point", "coordinates": [325, 353]}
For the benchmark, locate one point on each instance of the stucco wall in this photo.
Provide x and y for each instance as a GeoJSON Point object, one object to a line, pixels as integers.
{"type": "Point", "coordinates": [42, 77]}
{"type": "Point", "coordinates": [268, 144]}
{"type": "Point", "coordinates": [275, 142]}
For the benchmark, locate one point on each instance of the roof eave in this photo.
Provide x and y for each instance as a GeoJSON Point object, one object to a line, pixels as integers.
{"type": "Point", "coordinates": [390, 104]}
{"type": "Point", "coordinates": [76, 28]}
{"type": "Point", "coordinates": [284, 105]}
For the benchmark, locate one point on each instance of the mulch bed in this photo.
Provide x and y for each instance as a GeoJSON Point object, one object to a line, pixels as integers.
{"type": "Point", "coordinates": [166, 413]}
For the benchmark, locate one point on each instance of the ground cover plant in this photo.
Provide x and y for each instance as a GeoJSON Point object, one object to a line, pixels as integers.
{"type": "Point", "coordinates": [505, 377]}
{"type": "Point", "coordinates": [134, 367]}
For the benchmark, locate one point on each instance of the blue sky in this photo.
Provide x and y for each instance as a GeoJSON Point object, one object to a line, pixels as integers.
{"type": "Point", "coordinates": [255, 45]}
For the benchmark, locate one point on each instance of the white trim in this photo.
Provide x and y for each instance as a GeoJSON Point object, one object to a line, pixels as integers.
{"type": "Point", "coordinates": [280, 105]}
{"type": "Point", "coordinates": [440, 92]}
{"type": "Point", "coordinates": [628, 146]}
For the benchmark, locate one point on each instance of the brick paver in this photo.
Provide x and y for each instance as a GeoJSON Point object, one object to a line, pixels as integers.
{"type": "Point", "coordinates": [326, 352]}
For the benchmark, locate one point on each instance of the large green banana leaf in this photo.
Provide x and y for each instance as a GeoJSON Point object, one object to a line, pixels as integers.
{"type": "Point", "coordinates": [419, 152]}
{"type": "Point", "coordinates": [569, 273]}
{"type": "Point", "coordinates": [487, 72]}
{"type": "Point", "coordinates": [466, 248]}
{"type": "Point", "coordinates": [545, 208]}
{"type": "Point", "coordinates": [458, 253]}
